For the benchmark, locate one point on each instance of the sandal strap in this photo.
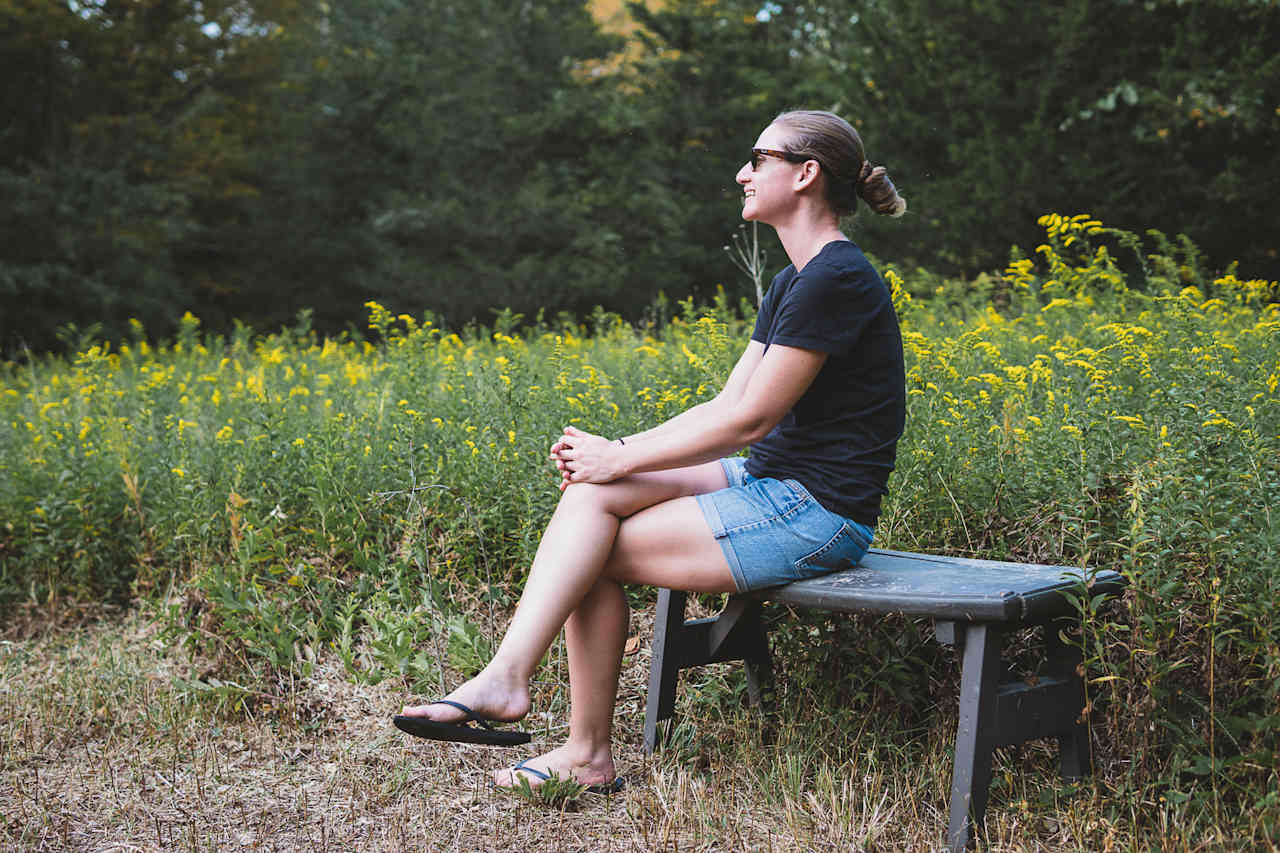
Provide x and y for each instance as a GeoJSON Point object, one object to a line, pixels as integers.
{"type": "Point", "coordinates": [524, 767]}
{"type": "Point", "coordinates": [472, 716]}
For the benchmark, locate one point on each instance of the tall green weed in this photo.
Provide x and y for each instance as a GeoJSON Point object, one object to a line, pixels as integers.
{"type": "Point", "coordinates": [1104, 402]}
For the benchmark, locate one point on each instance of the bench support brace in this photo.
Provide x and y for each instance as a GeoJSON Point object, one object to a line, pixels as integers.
{"type": "Point", "coordinates": [736, 634]}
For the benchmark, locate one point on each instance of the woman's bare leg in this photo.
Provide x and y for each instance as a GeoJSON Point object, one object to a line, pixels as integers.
{"type": "Point", "coordinates": [595, 635]}
{"type": "Point", "coordinates": [668, 543]}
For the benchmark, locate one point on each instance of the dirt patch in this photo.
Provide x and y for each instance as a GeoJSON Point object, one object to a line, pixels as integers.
{"type": "Point", "coordinates": [108, 745]}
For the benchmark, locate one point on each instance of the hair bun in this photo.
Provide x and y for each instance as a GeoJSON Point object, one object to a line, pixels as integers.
{"type": "Point", "coordinates": [874, 187]}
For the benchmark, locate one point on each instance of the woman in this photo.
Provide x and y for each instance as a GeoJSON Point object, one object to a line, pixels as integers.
{"type": "Point", "coordinates": [818, 396]}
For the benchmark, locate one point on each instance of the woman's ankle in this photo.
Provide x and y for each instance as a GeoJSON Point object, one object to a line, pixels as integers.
{"type": "Point", "coordinates": [504, 677]}
{"type": "Point", "coordinates": [589, 752]}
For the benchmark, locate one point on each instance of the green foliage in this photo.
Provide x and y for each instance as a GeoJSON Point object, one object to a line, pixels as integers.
{"type": "Point", "coordinates": [1170, 128]}
{"type": "Point", "coordinates": [377, 196]}
{"type": "Point", "coordinates": [250, 163]}
{"type": "Point", "coordinates": [291, 493]}
{"type": "Point", "coordinates": [557, 792]}
{"type": "Point", "coordinates": [284, 477]}
{"type": "Point", "coordinates": [126, 128]}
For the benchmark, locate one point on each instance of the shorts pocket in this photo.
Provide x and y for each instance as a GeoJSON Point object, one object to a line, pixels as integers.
{"type": "Point", "coordinates": [778, 498]}
{"type": "Point", "coordinates": [841, 551]}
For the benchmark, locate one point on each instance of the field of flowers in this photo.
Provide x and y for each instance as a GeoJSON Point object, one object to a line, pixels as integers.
{"type": "Point", "coordinates": [376, 496]}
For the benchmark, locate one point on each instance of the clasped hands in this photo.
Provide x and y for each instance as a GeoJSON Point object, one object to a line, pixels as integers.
{"type": "Point", "coordinates": [585, 458]}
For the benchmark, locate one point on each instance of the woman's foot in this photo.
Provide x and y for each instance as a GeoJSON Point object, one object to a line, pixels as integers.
{"type": "Point", "coordinates": [583, 765]}
{"type": "Point", "coordinates": [489, 695]}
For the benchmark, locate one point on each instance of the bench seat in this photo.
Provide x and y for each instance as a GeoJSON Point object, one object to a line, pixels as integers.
{"type": "Point", "coordinates": [971, 602]}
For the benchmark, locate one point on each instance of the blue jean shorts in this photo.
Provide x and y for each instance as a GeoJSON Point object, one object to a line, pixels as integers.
{"type": "Point", "coordinates": [774, 532]}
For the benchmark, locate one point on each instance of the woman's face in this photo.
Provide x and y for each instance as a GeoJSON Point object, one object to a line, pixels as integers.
{"type": "Point", "coordinates": [765, 190]}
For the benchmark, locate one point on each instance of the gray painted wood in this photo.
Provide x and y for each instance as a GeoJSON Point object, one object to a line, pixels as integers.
{"type": "Point", "coordinates": [975, 736]}
{"type": "Point", "coordinates": [664, 668]}
{"type": "Point", "coordinates": [948, 588]}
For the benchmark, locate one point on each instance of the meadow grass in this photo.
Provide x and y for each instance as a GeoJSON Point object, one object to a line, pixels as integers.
{"type": "Point", "coordinates": [301, 530]}
{"type": "Point", "coordinates": [107, 747]}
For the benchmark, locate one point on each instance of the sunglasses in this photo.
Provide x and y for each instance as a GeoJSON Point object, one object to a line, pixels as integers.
{"type": "Point", "coordinates": [758, 154]}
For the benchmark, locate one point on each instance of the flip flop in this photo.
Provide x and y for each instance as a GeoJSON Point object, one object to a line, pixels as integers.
{"type": "Point", "coordinates": [605, 788]}
{"type": "Point", "coordinates": [460, 731]}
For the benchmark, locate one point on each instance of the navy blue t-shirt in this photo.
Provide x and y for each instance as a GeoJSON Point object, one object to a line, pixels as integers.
{"type": "Point", "coordinates": [841, 437]}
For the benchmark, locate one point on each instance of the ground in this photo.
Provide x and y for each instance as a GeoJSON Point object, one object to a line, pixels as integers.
{"type": "Point", "coordinates": [109, 745]}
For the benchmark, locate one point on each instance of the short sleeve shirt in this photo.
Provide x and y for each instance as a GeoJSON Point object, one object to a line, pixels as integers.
{"type": "Point", "coordinates": [840, 439]}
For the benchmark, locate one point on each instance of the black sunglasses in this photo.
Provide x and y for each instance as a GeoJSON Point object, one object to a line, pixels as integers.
{"type": "Point", "coordinates": [757, 154]}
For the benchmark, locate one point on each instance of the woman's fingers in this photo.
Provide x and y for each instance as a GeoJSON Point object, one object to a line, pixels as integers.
{"type": "Point", "coordinates": [571, 436]}
{"type": "Point", "coordinates": [583, 457]}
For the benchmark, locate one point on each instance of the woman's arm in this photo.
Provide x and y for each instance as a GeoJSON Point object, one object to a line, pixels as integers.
{"type": "Point", "coordinates": [730, 393]}
{"type": "Point", "coordinates": [751, 404]}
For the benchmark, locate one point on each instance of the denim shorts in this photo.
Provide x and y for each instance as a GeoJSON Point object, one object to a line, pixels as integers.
{"type": "Point", "coordinates": [774, 532]}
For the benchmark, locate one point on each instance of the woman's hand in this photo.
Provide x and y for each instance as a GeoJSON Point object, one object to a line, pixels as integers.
{"type": "Point", "coordinates": [554, 455]}
{"type": "Point", "coordinates": [585, 458]}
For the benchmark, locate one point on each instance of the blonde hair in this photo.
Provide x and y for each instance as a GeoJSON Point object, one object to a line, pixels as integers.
{"type": "Point", "coordinates": [832, 141]}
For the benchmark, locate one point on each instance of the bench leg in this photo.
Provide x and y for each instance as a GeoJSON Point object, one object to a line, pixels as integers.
{"type": "Point", "coordinates": [1073, 745]}
{"type": "Point", "coordinates": [760, 673]}
{"type": "Point", "coordinates": [975, 737]}
{"type": "Point", "coordinates": [664, 664]}
{"type": "Point", "coordinates": [736, 634]}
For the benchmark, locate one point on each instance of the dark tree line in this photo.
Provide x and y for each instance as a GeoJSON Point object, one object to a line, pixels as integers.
{"type": "Point", "coordinates": [247, 159]}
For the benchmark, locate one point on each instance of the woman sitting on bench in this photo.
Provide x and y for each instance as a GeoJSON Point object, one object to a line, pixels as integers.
{"type": "Point", "coordinates": [819, 398]}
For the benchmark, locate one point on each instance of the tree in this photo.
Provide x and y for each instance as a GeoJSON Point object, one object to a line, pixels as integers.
{"type": "Point", "coordinates": [122, 126]}
{"type": "Point", "coordinates": [709, 78]}
{"type": "Point", "coordinates": [992, 112]}
{"type": "Point", "coordinates": [247, 160]}
{"type": "Point", "coordinates": [437, 156]}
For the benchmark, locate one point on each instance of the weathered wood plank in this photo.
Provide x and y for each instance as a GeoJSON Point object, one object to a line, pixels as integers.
{"type": "Point", "coordinates": [947, 588]}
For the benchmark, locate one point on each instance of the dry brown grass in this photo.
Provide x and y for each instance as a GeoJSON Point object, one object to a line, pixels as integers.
{"type": "Point", "coordinates": [106, 747]}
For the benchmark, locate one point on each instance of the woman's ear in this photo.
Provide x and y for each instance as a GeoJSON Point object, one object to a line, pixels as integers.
{"type": "Point", "coordinates": [807, 175]}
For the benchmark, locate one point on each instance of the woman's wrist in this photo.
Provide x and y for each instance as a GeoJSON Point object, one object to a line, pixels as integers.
{"type": "Point", "coordinates": [623, 460]}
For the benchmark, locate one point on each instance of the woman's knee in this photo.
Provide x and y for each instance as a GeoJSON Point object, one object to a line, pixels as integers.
{"type": "Point", "coordinates": [596, 497]}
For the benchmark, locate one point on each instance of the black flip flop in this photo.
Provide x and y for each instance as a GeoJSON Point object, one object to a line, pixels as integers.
{"type": "Point", "coordinates": [605, 788]}
{"type": "Point", "coordinates": [460, 731]}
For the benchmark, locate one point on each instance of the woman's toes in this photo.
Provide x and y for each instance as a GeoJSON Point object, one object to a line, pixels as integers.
{"type": "Point", "coordinates": [507, 778]}
{"type": "Point", "coordinates": [441, 712]}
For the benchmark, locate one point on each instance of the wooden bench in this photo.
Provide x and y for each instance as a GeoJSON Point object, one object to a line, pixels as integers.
{"type": "Point", "coordinates": [972, 604]}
